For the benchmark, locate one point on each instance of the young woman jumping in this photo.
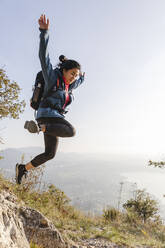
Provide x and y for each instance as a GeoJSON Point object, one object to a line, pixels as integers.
{"type": "Point", "coordinates": [50, 114]}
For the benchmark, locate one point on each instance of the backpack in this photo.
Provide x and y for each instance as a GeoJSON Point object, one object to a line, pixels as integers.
{"type": "Point", "coordinates": [38, 91]}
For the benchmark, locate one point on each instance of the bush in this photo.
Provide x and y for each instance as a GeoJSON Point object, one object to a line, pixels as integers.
{"type": "Point", "coordinates": [110, 214]}
{"type": "Point", "coordinates": [142, 205]}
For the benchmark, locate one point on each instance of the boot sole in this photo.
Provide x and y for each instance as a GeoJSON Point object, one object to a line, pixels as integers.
{"type": "Point", "coordinates": [31, 126]}
{"type": "Point", "coordinates": [26, 124]}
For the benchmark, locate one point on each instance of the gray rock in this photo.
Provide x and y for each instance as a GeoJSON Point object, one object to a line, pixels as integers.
{"type": "Point", "coordinates": [11, 226]}
{"type": "Point", "coordinates": [39, 229]}
{"type": "Point", "coordinates": [19, 225]}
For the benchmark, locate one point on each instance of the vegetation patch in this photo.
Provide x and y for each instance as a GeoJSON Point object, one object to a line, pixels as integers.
{"type": "Point", "coordinates": [139, 224]}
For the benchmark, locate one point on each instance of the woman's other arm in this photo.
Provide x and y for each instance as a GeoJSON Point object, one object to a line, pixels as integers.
{"type": "Point", "coordinates": [78, 82]}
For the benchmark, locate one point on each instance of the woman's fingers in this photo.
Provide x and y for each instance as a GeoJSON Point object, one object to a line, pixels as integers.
{"type": "Point", "coordinates": [48, 22]}
{"type": "Point", "coordinates": [44, 19]}
{"type": "Point", "coordinates": [82, 74]}
{"type": "Point", "coordinates": [40, 20]}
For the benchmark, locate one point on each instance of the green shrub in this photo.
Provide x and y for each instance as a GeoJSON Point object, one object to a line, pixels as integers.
{"type": "Point", "coordinates": [142, 205]}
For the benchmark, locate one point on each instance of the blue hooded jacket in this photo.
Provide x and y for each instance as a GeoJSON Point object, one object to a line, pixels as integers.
{"type": "Point", "coordinates": [53, 97]}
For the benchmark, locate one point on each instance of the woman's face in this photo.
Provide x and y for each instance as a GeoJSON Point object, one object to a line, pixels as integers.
{"type": "Point", "coordinates": [71, 75]}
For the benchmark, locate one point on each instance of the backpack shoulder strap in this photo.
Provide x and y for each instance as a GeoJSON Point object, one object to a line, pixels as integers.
{"type": "Point", "coordinates": [58, 83]}
{"type": "Point", "coordinates": [39, 78]}
{"type": "Point", "coordinates": [50, 90]}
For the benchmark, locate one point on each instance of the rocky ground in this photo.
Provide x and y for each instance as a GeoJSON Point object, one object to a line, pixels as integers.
{"type": "Point", "coordinates": [20, 224]}
{"type": "Point", "coordinates": [102, 243]}
{"type": "Point", "coordinates": [99, 243]}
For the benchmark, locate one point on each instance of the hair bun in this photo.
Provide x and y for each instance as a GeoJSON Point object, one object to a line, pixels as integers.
{"type": "Point", "coordinates": [62, 58]}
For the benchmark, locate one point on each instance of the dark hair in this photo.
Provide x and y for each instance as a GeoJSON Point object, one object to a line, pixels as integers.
{"type": "Point", "coordinates": [67, 64]}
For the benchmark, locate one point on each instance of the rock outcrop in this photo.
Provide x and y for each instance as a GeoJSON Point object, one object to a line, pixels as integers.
{"type": "Point", "coordinates": [19, 225]}
{"type": "Point", "coordinates": [11, 227]}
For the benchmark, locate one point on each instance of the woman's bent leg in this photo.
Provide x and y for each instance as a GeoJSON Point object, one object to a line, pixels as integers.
{"type": "Point", "coordinates": [60, 128]}
{"type": "Point", "coordinates": [51, 144]}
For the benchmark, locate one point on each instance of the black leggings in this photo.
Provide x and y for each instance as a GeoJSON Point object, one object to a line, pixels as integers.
{"type": "Point", "coordinates": [55, 127]}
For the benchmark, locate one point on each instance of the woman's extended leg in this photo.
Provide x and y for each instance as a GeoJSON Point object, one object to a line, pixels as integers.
{"type": "Point", "coordinates": [51, 144]}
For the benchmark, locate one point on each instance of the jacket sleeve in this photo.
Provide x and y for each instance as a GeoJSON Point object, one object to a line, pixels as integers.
{"type": "Point", "coordinates": [77, 83]}
{"type": "Point", "coordinates": [47, 69]}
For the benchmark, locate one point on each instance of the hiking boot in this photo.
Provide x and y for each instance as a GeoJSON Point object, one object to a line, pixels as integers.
{"type": "Point", "coordinates": [20, 172]}
{"type": "Point", "coordinates": [31, 126]}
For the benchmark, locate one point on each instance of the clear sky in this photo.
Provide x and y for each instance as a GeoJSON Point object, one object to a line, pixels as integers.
{"type": "Point", "coordinates": [120, 44]}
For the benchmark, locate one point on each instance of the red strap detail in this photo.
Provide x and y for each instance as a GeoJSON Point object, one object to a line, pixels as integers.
{"type": "Point", "coordinates": [58, 82]}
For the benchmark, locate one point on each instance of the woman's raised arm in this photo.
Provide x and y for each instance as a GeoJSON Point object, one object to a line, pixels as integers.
{"type": "Point", "coordinates": [47, 68]}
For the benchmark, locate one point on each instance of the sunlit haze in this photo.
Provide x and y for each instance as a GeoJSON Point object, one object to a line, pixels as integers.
{"type": "Point", "coordinates": [120, 108]}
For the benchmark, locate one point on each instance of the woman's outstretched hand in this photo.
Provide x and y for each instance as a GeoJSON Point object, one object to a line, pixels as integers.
{"type": "Point", "coordinates": [43, 23]}
{"type": "Point", "coordinates": [82, 74]}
